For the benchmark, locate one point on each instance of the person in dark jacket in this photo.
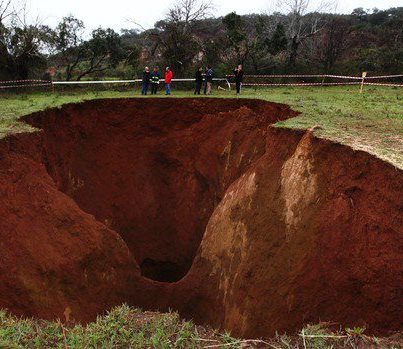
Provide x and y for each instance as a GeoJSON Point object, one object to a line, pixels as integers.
{"type": "Point", "coordinates": [209, 80]}
{"type": "Point", "coordinates": [155, 80]}
{"type": "Point", "coordinates": [238, 73]}
{"type": "Point", "coordinates": [145, 81]}
{"type": "Point", "coordinates": [199, 80]}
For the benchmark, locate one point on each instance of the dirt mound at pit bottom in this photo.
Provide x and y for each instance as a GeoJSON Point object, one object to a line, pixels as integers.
{"type": "Point", "coordinates": [279, 229]}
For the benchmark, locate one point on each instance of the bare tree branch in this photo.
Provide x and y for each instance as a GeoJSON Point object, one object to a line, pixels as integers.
{"type": "Point", "coordinates": [303, 22]}
{"type": "Point", "coordinates": [5, 10]}
{"type": "Point", "coordinates": [189, 11]}
{"type": "Point", "coordinates": [137, 24]}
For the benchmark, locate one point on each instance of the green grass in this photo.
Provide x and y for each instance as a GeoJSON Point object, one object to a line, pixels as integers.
{"type": "Point", "coordinates": [123, 327]}
{"type": "Point", "coordinates": [372, 121]}
{"type": "Point", "coordinates": [126, 327]}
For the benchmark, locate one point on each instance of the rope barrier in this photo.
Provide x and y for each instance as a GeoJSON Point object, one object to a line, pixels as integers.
{"type": "Point", "coordinates": [323, 84]}
{"type": "Point", "coordinates": [37, 83]}
{"type": "Point", "coordinates": [22, 81]}
{"type": "Point", "coordinates": [127, 81]}
{"type": "Point", "coordinates": [382, 84]}
{"type": "Point", "coordinates": [50, 83]}
{"type": "Point", "coordinates": [303, 76]}
{"type": "Point", "coordinates": [302, 84]}
{"type": "Point", "coordinates": [95, 82]}
{"type": "Point", "coordinates": [118, 81]}
{"type": "Point", "coordinates": [21, 86]}
{"type": "Point", "coordinates": [384, 76]}
{"type": "Point", "coordinates": [320, 76]}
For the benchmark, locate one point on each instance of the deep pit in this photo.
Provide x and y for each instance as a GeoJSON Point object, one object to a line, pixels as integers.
{"type": "Point", "coordinates": [154, 173]}
{"type": "Point", "coordinates": [201, 206]}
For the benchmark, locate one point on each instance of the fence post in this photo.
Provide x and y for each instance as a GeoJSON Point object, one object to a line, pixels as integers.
{"type": "Point", "coordinates": [364, 74]}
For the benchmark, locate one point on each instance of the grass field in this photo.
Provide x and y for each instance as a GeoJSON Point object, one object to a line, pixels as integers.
{"type": "Point", "coordinates": [125, 327]}
{"type": "Point", "coordinates": [372, 121]}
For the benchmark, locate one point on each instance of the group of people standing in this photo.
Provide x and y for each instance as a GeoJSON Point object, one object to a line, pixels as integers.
{"type": "Point", "coordinates": [209, 76]}
{"type": "Point", "coordinates": [208, 80]}
{"type": "Point", "coordinates": [153, 78]}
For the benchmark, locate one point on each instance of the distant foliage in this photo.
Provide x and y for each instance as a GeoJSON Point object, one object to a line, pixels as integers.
{"type": "Point", "coordinates": [293, 41]}
{"type": "Point", "coordinates": [278, 42]}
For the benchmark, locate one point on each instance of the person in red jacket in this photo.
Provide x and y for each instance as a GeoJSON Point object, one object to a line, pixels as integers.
{"type": "Point", "coordinates": [168, 79]}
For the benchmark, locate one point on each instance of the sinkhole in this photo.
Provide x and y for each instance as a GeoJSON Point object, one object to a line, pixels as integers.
{"type": "Point", "coordinates": [202, 206]}
{"type": "Point", "coordinates": [154, 170]}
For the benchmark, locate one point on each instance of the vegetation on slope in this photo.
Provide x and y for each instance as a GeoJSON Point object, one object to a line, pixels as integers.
{"type": "Point", "coordinates": [126, 327]}
{"type": "Point", "coordinates": [372, 121]}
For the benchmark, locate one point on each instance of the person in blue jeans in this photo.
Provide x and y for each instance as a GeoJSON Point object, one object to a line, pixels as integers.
{"type": "Point", "coordinates": [155, 80]}
{"type": "Point", "coordinates": [209, 80]}
{"type": "Point", "coordinates": [145, 81]}
{"type": "Point", "coordinates": [168, 80]}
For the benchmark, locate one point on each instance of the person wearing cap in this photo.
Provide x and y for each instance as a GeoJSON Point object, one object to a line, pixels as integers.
{"type": "Point", "coordinates": [146, 81]}
{"type": "Point", "coordinates": [168, 80]}
{"type": "Point", "coordinates": [155, 80]}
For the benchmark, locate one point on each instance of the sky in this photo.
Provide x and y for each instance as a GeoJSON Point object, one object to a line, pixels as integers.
{"type": "Point", "coordinates": [118, 14]}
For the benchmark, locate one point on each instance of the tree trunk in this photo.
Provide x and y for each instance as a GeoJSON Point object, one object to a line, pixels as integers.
{"type": "Point", "coordinates": [293, 53]}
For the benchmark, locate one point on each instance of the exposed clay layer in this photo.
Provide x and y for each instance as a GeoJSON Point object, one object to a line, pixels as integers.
{"type": "Point", "coordinates": [56, 261]}
{"type": "Point", "coordinates": [313, 231]}
{"type": "Point", "coordinates": [154, 173]}
{"type": "Point", "coordinates": [281, 228]}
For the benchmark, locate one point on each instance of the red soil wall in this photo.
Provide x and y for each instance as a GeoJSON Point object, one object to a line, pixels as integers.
{"type": "Point", "coordinates": [279, 228]}
{"type": "Point", "coordinates": [154, 174]}
{"type": "Point", "coordinates": [313, 231]}
{"type": "Point", "coordinates": [55, 259]}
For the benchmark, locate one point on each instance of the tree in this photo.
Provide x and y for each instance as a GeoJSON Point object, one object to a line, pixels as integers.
{"type": "Point", "coordinates": [213, 40]}
{"type": "Point", "coordinates": [301, 25]}
{"type": "Point", "coordinates": [330, 44]}
{"type": "Point", "coordinates": [6, 11]}
{"type": "Point", "coordinates": [334, 42]}
{"type": "Point", "coordinates": [188, 12]}
{"type": "Point", "coordinates": [25, 49]}
{"type": "Point", "coordinates": [69, 33]}
{"type": "Point", "coordinates": [175, 36]}
{"type": "Point", "coordinates": [360, 14]}
{"type": "Point", "coordinates": [23, 44]}
{"type": "Point", "coordinates": [236, 35]}
{"type": "Point", "coordinates": [103, 51]}
{"type": "Point", "coordinates": [278, 42]}
{"type": "Point", "coordinates": [294, 39]}
{"type": "Point", "coordinates": [130, 44]}
{"type": "Point", "coordinates": [257, 30]}
{"type": "Point", "coordinates": [69, 44]}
